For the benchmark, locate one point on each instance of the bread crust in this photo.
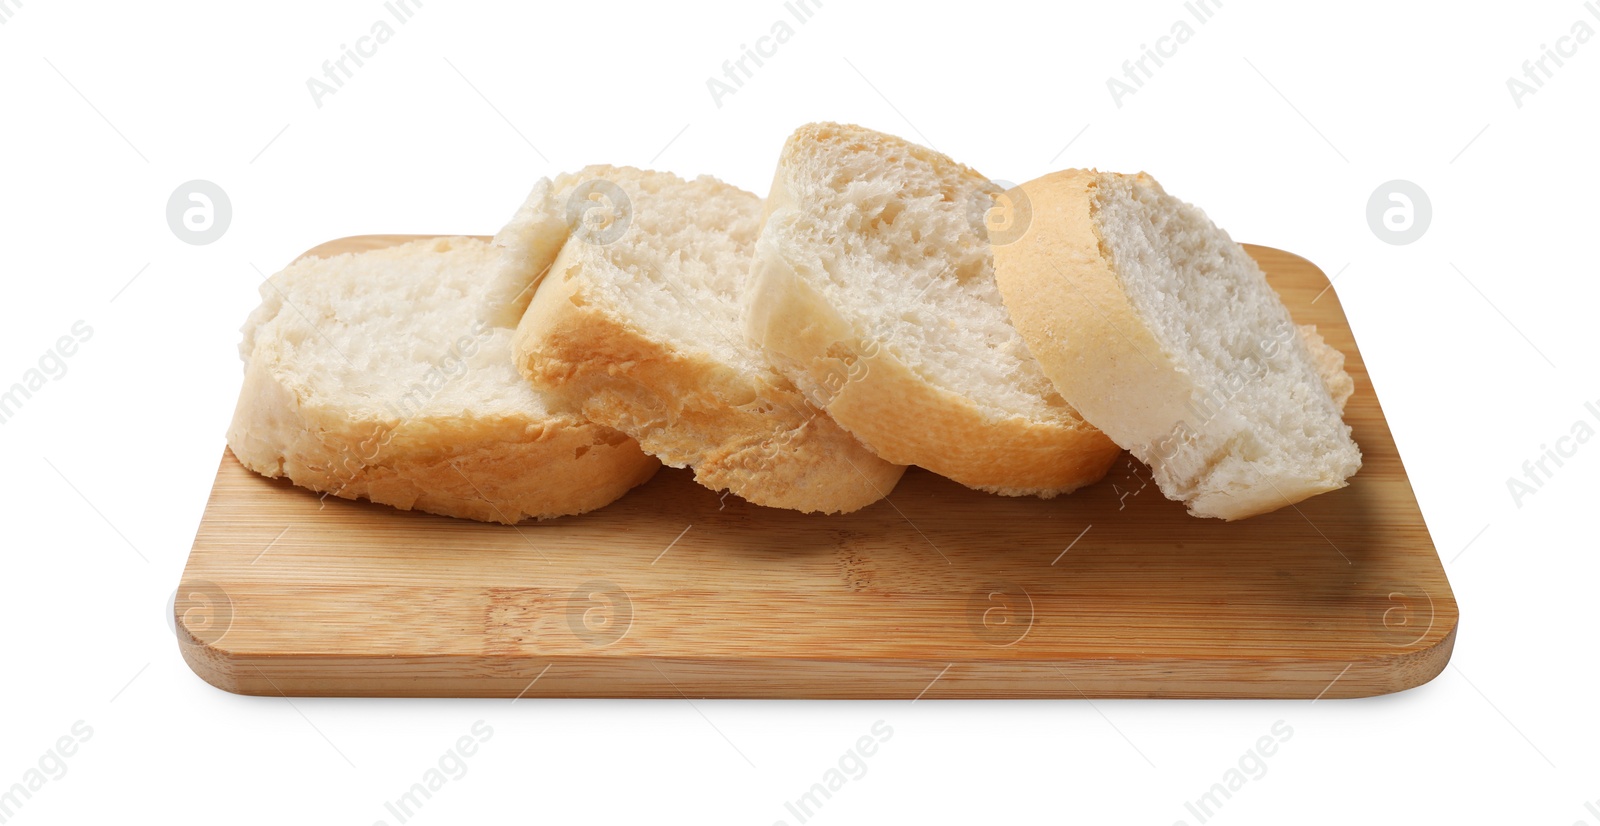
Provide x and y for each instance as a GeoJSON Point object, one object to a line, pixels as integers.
{"type": "Point", "coordinates": [758, 440]}
{"type": "Point", "coordinates": [502, 472]}
{"type": "Point", "coordinates": [488, 468]}
{"type": "Point", "coordinates": [878, 398]}
{"type": "Point", "coordinates": [1081, 327]}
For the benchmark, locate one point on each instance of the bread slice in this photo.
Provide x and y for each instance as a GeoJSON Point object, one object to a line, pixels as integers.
{"type": "Point", "coordinates": [1167, 336]}
{"type": "Point", "coordinates": [874, 291]}
{"type": "Point", "coordinates": [379, 375]}
{"type": "Point", "coordinates": [636, 326]}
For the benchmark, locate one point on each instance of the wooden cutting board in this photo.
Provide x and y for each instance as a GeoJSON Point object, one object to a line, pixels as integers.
{"type": "Point", "coordinates": [938, 592]}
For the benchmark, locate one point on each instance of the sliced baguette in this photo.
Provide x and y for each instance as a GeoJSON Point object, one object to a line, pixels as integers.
{"type": "Point", "coordinates": [636, 326]}
{"type": "Point", "coordinates": [1167, 336]}
{"type": "Point", "coordinates": [874, 291]}
{"type": "Point", "coordinates": [380, 375]}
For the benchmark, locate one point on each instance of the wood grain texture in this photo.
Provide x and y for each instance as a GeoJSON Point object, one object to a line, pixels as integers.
{"type": "Point", "coordinates": [939, 592]}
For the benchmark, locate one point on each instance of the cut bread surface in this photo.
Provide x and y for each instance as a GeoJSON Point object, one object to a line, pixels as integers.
{"type": "Point", "coordinates": [635, 324]}
{"type": "Point", "coordinates": [1167, 336]}
{"type": "Point", "coordinates": [874, 291]}
{"type": "Point", "coordinates": [1330, 365]}
{"type": "Point", "coordinates": [382, 375]}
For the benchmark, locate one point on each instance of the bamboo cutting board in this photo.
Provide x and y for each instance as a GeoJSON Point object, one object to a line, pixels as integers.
{"type": "Point", "coordinates": [938, 592]}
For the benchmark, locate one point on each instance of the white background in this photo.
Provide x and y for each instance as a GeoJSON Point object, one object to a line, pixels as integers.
{"type": "Point", "coordinates": [1279, 119]}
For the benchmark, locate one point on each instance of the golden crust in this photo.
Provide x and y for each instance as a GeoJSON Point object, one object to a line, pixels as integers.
{"type": "Point", "coordinates": [496, 470]}
{"type": "Point", "coordinates": [1069, 306]}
